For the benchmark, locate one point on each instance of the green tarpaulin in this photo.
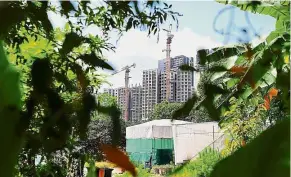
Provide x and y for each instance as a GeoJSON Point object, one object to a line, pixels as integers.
{"type": "Point", "coordinates": [141, 150]}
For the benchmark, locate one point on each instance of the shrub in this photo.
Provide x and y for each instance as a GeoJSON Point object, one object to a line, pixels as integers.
{"type": "Point", "coordinates": [141, 172]}
{"type": "Point", "coordinates": [200, 167]}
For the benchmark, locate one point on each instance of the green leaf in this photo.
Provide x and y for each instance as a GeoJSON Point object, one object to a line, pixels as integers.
{"type": "Point", "coordinates": [93, 60]}
{"type": "Point", "coordinates": [37, 14]}
{"type": "Point", "coordinates": [201, 54]}
{"type": "Point", "coordinates": [269, 153]}
{"type": "Point", "coordinates": [129, 24]}
{"type": "Point", "coordinates": [63, 79]}
{"type": "Point", "coordinates": [217, 69]}
{"type": "Point", "coordinates": [10, 106]}
{"type": "Point", "coordinates": [186, 67]}
{"type": "Point", "coordinates": [114, 113]}
{"type": "Point", "coordinates": [67, 7]}
{"type": "Point", "coordinates": [211, 109]}
{"type": "Point", "coordinates": [221, 53]}
{"type": "Point", "coordinates": [71, 41]}
{"type": "Point", "coordinates": [266, 8]}
{"type": "Point", "coordinates": [232, 82]}
{"type": "Point", "coordinates": [12, 16]}
{"type": "Point", "coordinates": [187, 107]}
{"type": "Point", "coordinates": [211, 91]}
{"type": "Point", "coordinates": [88, 105]}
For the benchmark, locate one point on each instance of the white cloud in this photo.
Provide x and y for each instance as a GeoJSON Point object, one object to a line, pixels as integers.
{"type": "Point", "coordinates": [136, 47]}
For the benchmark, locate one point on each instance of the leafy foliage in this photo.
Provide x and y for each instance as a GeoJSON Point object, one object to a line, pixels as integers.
{"type": "Point", "coordinates": [59, 75]}
{"type": "Point", "coordinates": [254, 68]}
{"type": "Point", "coordinates": [166, 110]}
{"type": "Point", "coordinates": [201, 166]}
{"type": "Point", "coordinates": [250, 70]}
{"type": "Point", "coordinates": [10, 103]}
{"type": "Point", "coordinates": [243, 122]}
{"type": "Point", "coordinates": [270, 159]}
{"type": "Point", "coordinates": [141, 172]}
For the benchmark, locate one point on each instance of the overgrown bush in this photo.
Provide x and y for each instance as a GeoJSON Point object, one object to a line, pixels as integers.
{"type": "Point", "coordinates": [141, 172]}
{"type": "Point", "coordinates": [200, 167]}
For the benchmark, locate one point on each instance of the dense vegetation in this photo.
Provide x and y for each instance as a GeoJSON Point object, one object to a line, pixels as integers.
{"type": "Point", "coordinates": [52, 102]}
{"type": "Point", "coordinates": [241, 85]}
{"type": "Point", "coordinates": [165, 110]}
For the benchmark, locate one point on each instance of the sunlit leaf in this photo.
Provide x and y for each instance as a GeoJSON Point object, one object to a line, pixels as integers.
{"type": "Point", "coordinates": [287, 59]}
{"type": "Point", "coordinates": [118, 157]}
{"type": "Point", "coordinates": [270, 159]}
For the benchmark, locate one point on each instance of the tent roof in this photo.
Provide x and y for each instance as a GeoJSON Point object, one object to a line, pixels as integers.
{"type": "Point", "coordinates": [162, 122]}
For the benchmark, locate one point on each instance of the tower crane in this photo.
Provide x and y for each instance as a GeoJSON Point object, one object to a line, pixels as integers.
{"type": "Point", "coordinates": [126, 79]}
{"type": "Point", "coordinates": [168, 61]}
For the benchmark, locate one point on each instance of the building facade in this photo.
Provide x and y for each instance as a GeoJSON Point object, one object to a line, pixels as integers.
{"type": "Point", "coordinates": [150, 92]}
{"type": "Point", "coordinates": [111, 91]}
{"type": "Point", "coordinates": [136, 95]}
{"type": "Point", "coordinates": [182, 82]}
{"type": "Point", "coordinates": [162, 86]}
{"type": "Point", "coordinates": [143, 98]}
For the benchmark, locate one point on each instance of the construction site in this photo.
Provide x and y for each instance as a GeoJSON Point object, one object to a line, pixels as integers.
{"type": "Point", "coordinates": [164, 83]}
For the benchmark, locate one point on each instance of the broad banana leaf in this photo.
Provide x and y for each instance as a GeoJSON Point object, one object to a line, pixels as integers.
{"type": "Point", "coordinates": [10, 106]}
{"type": "Point", "coordinates": [268, 155]}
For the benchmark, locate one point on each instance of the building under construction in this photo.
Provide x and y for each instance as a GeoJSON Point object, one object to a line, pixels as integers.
{"type": "Point", "coordinates": [181, 82]}
{"type": "Point", "coordinates": [166, 83]}
{"type": "Point", "coordinates": [143, 98]}
{"type": "Point", "coordinates": [150, 91]}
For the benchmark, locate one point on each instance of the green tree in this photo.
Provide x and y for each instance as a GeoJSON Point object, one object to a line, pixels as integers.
{"type": "Point", "coordinates": [164, 110]}
{"type": "Point", "coordinates": [59, 74]}
{"type": "Point", "coordinates": [243, 122]}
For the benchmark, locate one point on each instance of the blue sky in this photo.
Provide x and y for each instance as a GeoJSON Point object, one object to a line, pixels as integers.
{"type": "Point", "coordinates": [195, 32]}
{"type": "Point", "coordinates": [199, 17]}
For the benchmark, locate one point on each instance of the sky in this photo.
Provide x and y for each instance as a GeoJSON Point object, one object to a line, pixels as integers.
{"type": "Point", "coordinates": [195, 31]}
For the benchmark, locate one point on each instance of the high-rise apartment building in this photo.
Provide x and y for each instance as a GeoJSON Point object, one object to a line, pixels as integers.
{"type": "Point", "coordinates": [150, 91]}
{"type": "Point", "coordinates": [162, 86]}
{"type": "Point", "coordinates": [182, 82]}
{"type": "Point", "coordinates": [136, 95]}
{"type": "Point", "coordinates": [143, 98]}
{"type": "Point", "coordinates": [184, 85]}
{"type": "Point", "coordinates": [111, 91]}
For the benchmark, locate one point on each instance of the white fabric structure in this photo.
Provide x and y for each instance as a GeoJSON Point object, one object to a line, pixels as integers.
{"type": "Point", "coordinates": [153, 129]}
{"type": "Point", "coordinates": [190, 139]}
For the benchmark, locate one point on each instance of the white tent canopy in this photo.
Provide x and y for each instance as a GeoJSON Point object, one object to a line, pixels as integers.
{"type": "Point", "coordinates": [153, 129]}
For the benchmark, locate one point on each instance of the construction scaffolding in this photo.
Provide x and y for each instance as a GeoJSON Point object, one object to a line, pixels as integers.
{"type": "Point", "coordinates": [168, 62]}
